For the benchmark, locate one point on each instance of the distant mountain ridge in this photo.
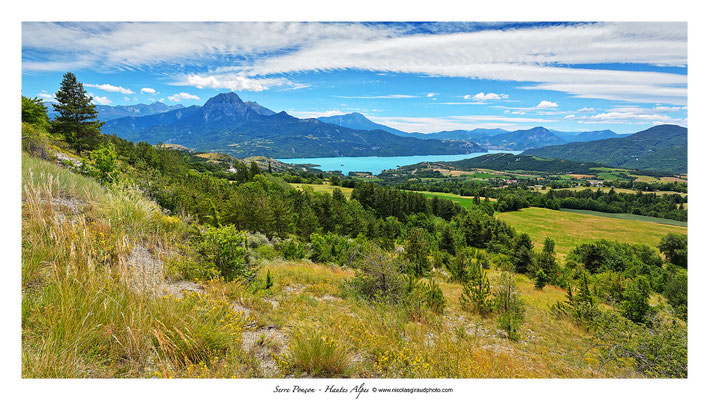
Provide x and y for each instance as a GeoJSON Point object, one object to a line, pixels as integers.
{"type": "Point", "coordinates": [107, 113]}
{"type": "Point", "coordinates": [495, 138]}
{"type": "Point", "coordinates": [661, 148]}
{"type": "Point", "coordinates": [360, 122]}
{"type": "Point", "coordinates": [227, 124]}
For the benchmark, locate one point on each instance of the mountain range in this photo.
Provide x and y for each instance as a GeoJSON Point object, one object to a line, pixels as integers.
{"type": "Point", "coordinates": [107, 113]}
{"type": "Point", "coordinates": [227, 124]}
{"type": "Point", "coordinates": [661, 148]}
{"type": "Point", "coordinates": [498, 139]}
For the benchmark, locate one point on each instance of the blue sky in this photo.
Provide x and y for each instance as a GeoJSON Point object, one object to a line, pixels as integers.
{"type": "Point", "coordinates": [422, 77]}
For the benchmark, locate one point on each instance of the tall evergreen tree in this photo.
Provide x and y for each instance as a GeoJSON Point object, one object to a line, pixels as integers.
{"type": "Point", "coordinates": [76, 119]}
{"type": "Point", "coordinates": [417, 248]}
{"type": "Point", "coordinates": [253, 170]}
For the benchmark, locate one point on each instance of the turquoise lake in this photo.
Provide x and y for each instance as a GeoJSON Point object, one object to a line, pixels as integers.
{"type": "Point", "coordinates": [375, 165]}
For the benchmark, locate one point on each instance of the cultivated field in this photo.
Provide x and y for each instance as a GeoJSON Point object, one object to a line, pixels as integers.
{"type": "Point", "coordinates": [569, 229]}
{"type": "Point", "coordinates": [618, 190]}
{"type": "Point", "coordinates": [323, 188]}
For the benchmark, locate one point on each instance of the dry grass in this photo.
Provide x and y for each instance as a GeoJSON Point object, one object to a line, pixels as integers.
{"type": "Point", "coordinates": [84, 312]}
{"type": "Point", "coordinates": [382, 341]}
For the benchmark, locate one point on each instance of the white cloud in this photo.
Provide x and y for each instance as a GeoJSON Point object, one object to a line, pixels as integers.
{"type": "Point", "coordinates": [586, 110]}
{"type": "Point", "coordinates": [569, 116]}
{"type": "Point", "coordinates": [47, 97]}
{"type": "Point", "coordinates": [181, 96]}
{"type": "Point", "coordinates": [148, 90]}
{"type": "Point", "coordinates": [533, 54]}
{"type": "Point", "coordinates": [315, 114]}
{"type": "Point", "coordinates": [546, 104]}
{"type": "Point", "coordinates": [432, 95]}
{"type": "Point", "coordinates": [126, 98]}
{"type": "Point", "coordinates": [110, 88]}
{"type": "Point", "coordinates": [482, 97]}
{"type": "Point", "coordinates": [104, 101]}
{"type": "Point", "coordinates": [631, 116]}
{"type": "Point", "coordinates": [233, 82]}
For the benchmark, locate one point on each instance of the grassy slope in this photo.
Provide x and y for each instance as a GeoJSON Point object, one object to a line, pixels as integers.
{"type": "Point", "coordinates": [570, 229]}
{"type": "Point", "coordinates": [323, 188]}
{"type": "Point", "coordinates": [628, 217]}
{"type": "Point", "coordinates": [85, 314]}
{"type": "Point", "coordinates": [618, 190]}
{"type": "Point", "coordinates": [380, 341]}
{"type": "Point", "coordinates": [465, 201]}
{"type": "Point", "coordinates": [91, 304]}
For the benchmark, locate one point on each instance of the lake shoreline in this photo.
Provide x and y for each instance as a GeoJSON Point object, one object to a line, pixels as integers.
{"type": "Point", "coordinates": [376, 164]}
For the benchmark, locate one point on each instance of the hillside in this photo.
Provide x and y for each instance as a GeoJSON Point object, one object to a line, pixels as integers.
{"type": "Point", "coordinates": [226, 124]}
{"type": "Point", "coordinates": [660, 148]}
{"type": "Point", "coordinates": [511, 162]}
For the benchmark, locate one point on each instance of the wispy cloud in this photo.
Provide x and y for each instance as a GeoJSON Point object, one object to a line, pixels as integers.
{"type": "Point", "coordinates": [110, 88]}
{"type": "Point", "coordinates": [386, 96]}
{"type": "Point", "coordinates": [434, 124]}
{"type": "Point", "coordinates": [542, 57]}
{"type": "Point", "coordinates": [315, 114]}
{"type": "Point", "coordinates": [234, 82]}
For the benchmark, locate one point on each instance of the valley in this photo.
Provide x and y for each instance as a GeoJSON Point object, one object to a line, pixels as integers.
{"type": "Point", "coordinates": [382, 201]}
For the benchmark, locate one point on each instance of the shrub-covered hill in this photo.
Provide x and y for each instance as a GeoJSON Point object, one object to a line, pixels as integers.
{"type": "Point", "coordinates": [660, 148]}
{"type": "Point", "coordinates": [125, 312]}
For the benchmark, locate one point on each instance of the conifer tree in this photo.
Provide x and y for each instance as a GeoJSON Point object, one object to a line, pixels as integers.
{"type": "Point", "coordinates": [253, 170]}
{"type": "Point", "coordinates": [76, 120]}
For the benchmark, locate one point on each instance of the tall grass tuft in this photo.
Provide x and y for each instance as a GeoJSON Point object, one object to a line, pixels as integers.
{"type": "Point", "coordinates": [81, 314]}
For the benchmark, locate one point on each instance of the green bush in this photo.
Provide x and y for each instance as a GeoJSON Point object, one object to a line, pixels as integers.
{"type": "Point", "coordinates": [676, 294]}
{"type": "Point", "coordinates": [378, 278]}
{"type": "Point", "coordinates": [225, 249]}
{"type": "Point", "coordinates": [292, 249]}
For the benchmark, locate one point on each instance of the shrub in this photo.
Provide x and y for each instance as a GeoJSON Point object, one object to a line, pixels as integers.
{"type": "Point", "coordinates": [224, 248]}
{"type": "Point", "coordinates": [676, 294]}
{"type": "Point", "coordinates": [635, 306]}
{"type": "Point", "coordinates": [378, 277]}
{"type": "Point", "coordinates": [292, 249]}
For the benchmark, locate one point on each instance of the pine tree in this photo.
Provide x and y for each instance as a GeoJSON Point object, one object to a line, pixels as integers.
{"type": "Point", "coordinates": [447, 240]}
{"type": "Point", "coordinates": [509, 305]}
{"type": "Point", "coordinates": [417, 248]}
{"type": "Point", "coordinates": [253, 170]}
{"type": "Point", "coordinates": [76, 120]}
{"type": "Point", "coordinates": [477, 296]}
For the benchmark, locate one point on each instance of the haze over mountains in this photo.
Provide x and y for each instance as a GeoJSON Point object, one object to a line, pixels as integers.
{"type": "Point", "coordinates": [227, 124]}
{"type": "Point", "coordinates": [497, 139]}
{"type": "Point", "coordinates": [107, 113]}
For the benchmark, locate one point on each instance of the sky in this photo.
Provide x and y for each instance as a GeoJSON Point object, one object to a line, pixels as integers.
{"type": "Point", "coordinates": [416, 77]}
